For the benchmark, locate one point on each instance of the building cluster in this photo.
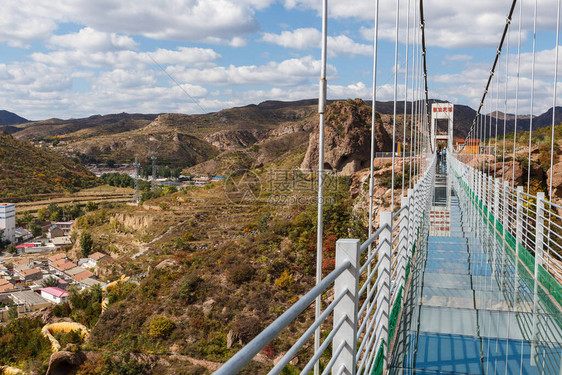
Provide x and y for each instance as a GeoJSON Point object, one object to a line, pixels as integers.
{"type": "Point", "coordinates": [8, 221]}
{"type": "Point", "coordinates": [58, 236]}
{"type": "Point", "coordinates": [22, 283]}
{"type": "Point", "coordinates": [101, 169]}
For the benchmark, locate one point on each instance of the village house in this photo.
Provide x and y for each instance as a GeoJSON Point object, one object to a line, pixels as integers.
{"type": "Point", "coordinates": [30, 274]}
{"type": "Point", "coordinates": [94, 258]}
{"type": "Point", "coordinates": [56, 257]}
{"type": "Point", "coordinates": [83, 275]}
{"type": "Point", "coordinates": [30, 301]}
{"type": "Point", "coordinates": [61, 241]}
{"type": "Point", "coordinates": [65, 226]}
{"type": "Point", "coordinates": [54, 294]}
{"type": "Point", "coordinates": [76, 270]}
{"type": "Point", "coordinates": [22, 264]}
{"type": "Point", "coordinates": [61, 266]}
{"type": "Point", "coordinates": [5, 285]}
{"type": "Point", "coordinates": [88, 282]}
{"type": "Point", "coordinates": [23, 235]}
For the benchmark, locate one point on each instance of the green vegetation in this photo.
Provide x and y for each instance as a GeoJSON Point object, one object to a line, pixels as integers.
{"type": "Point", "coordinates": [55, 213]}
{"type": "Point", "coordinates": [28, 171]}
{"type": "Point", "coordinates": [22, 345]}
{"type": "Point", "coordinates": [124, 180]}
{"type": "Point", "coordinates": [160, 326]}
{"type": "Point", "coordinates": [50, 281]}
{"type": "Point", "coordinates": [86, 243]}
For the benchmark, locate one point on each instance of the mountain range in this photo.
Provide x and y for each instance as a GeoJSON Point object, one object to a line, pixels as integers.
{"type": "Point", "coordinates": [208, 142]}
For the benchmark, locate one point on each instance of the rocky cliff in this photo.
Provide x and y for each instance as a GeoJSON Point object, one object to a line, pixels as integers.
{"type": "Point", "coordinates": [347, 138]}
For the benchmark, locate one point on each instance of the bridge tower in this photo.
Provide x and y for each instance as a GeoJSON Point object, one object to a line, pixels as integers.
{"type": "Point", "coordinates": [440, 112]}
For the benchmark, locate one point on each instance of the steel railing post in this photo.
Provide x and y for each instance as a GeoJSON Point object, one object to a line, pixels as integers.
{"type": "Point", "coordinates": [411, 221]}
{"type": "Point", "coordinates": [539, 231]}
{"type": "Point", "coordinates": [383, 302]}
{"type": "Point", "coordinates": [348, 283]}
{"type": "Point", "coordinates": [403, 239]}
{"type": "Point", "coordinates": [518, 237]}
{"type": "Point", "coordinates": [496, 187]}
{"type": "Point", "coordinates": [504, 223]}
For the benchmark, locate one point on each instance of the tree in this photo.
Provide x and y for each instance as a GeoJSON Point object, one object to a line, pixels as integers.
{"type": "Point", "coordinates": [43, 214]}
{"type": "Point", "coordinates": [11, 248]}
{"type": "Point", "coordinates": [35, 229]}
{"type": "Point", "coordinates": [55, 216]}
{"type": "Point", "coordinates": [27, 217]}
{"type": "Point", "coordinates": [91, 206]}
{"type": "Point", "coordinates": [50, 281]}
{"type": "Point", "coordinates": [86, 243]}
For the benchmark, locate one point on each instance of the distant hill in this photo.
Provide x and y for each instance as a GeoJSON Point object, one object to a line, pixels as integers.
{"type": "Point", "coordinates": [182, 140]}
{"type": "Point", "coordinates": [9, 118]}
{"type": "Point", "coordinates": [91, 126]}
{"type": "Point", "coordinates": [26, 170]}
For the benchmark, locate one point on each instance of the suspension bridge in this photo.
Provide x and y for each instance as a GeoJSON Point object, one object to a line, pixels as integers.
{"type": "Point", "coordinates": [463, 275]}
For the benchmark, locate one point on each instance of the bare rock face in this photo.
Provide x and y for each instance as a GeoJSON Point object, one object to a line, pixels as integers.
{"type": "Point", "coordinates": [509, 170]}
{"type": "Point", "coordinates": [347, 138]}
{"type": "Point", "coordinates": [556, 174]}
{"type": "Point", "coordinates": [234, 139]}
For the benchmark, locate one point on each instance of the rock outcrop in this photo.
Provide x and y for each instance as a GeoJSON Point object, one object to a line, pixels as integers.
{"type": "Point", "coordinates": [347, 138]}
{"type": "Point", "coordinates": [65, 362]}
{"type": "Point", "coordinates": [556, 174]}
{"type": "Point", "coordinates": [513, 169]}
{"type": "Point", "coordinates": [233, 139]}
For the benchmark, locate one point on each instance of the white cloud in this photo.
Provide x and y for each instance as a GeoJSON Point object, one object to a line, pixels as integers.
{"type": "Point", "coordinates": [23, 21]}
{"type": "Point", "coordinates": [297, 39]}
{"type": "Point", "coordinates": [305, 38]}
{"type": "Point", "coordinates": [122, 59]}
{"type": "Point", "coordinates": [88, 39]}
{"type": "Point", "coordinates": [464, 23]}
{"type": "Point", "coordinates": [285, 73]}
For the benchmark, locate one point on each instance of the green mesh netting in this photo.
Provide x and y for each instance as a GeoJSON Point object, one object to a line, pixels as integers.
{"type": "Point", "coordinates": [379, 361]}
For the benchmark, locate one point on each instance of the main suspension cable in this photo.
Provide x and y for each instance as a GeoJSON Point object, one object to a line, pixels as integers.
{"type": "Point", "coordinates": [517, 94]}
{"type": "Point", "coordinates": [422, 26]}
{"type": "Point", "coordinates": [532, 97]}
{"type": "Point", "coordinates": [498, 52]}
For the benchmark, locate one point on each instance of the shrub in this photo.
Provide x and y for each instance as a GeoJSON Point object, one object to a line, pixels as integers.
{"type": "Point", "coordinates": [187, 291]}
{"type": "Point", "coordinates": [246, 327]}
{"type": "Point", "coordinates": [160, 326]}
{"type": "Point", "coordinates": [240, 273]}
{"type": "Point", "coordinates": [285, 280]}
{"type": "Point", "coordinates": [62, 310]}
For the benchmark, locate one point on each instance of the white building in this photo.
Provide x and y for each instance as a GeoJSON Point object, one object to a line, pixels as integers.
{"type": "Point", "coordinates": [54, 294]}
{"type": "Point", "coordinates": [8, 220]}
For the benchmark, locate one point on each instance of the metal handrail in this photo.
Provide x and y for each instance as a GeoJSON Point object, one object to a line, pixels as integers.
{"type": "Point", "coordinates": [245, 355]}
{"type": "Point", "coordinates": [305, 336]}
{"type": "Point", "coordinates": [380, 285]}
{"type": "Point", "coordinates": [365, 245]}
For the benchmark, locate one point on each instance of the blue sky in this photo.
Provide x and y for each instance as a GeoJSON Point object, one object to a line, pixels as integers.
{"type": "Point", "coordinates": [75, 58]}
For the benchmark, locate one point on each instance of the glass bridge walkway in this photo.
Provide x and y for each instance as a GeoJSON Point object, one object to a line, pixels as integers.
{"type": "Point", "coordinates": [469, 309]}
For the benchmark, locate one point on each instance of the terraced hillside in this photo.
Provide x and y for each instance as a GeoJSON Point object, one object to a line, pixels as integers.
{"type": "Point", "coordinates": [26, 171]}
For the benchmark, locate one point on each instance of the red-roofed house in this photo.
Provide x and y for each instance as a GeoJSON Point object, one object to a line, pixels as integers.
{"type": "Point", "coordinates": [54, 294]}
{"type": "Point", "coordinates": [56, 257]}
{"type": "Point", "coordinates": [30, 274]}
{"type": "Point", "coordinates": [62, 265]}
{"type": "Point", "coordinates": [5, 285]}
{"type": "Point", "coordinates": [82, 275]}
